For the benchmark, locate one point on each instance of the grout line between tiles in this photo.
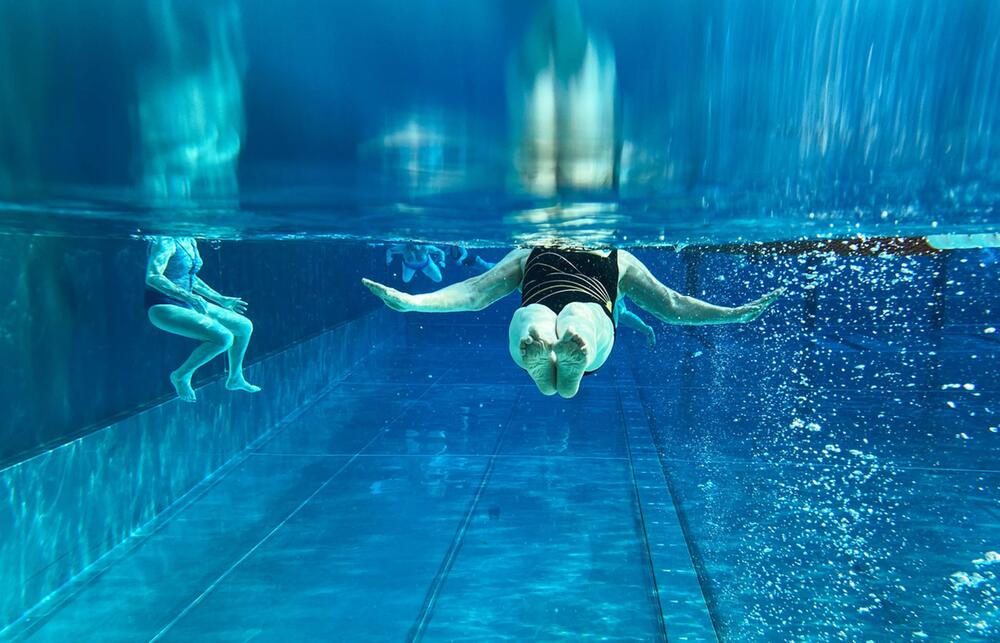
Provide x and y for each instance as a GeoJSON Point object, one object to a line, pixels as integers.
{"type": "Point", "coordinates": [211, 587]}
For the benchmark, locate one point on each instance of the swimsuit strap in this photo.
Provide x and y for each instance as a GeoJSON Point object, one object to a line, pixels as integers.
{"type": "Point", "coordinates": [570, 275]}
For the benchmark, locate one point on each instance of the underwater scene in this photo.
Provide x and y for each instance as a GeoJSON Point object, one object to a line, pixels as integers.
{"type": "Point", "coordinates": [520, 320]}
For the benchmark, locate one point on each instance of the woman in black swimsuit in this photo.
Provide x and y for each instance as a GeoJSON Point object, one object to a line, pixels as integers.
{"type": "Point", "coordinates": [565, 325]}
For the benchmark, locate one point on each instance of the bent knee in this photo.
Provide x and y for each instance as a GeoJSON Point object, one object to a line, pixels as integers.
{"type": "Point", "coordinates": [244, 327]}
{"type": "Point", "coordinates": [222, 337]}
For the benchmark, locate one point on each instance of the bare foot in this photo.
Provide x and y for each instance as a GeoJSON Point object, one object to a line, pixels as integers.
{"type": "Point", "coordinates": [536, 355]}
{"type": "Point", "coordinates": [572, 357]}
{"type": "Point", "coordinates": [240, 384]}
{"type": "Point", "coordinates": [182, 384]}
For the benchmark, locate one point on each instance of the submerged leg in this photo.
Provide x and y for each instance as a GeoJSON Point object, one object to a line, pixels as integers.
{"type": "Point", "coordinates": [432, 272]}
{"type": "Point", "coordinates": [241, 328]}
{"type": "Point", "coordinates": [483, 265]}
{"type": "Point", "coordinates": [586, 336]}
{"type": "Point", "coordinates": [407, 274]}
{"type": "Point", "coordinates": [532, 336]}
{"type": "Point", "coordinates": [216, 339]}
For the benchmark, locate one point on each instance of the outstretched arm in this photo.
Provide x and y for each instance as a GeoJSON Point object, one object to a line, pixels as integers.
{"type": "Point", "coordinates": [392, 250]}
{"type": "Point", "coordinates": [475, 293]}
{"type": "Point", "coordinates": [674, 308]}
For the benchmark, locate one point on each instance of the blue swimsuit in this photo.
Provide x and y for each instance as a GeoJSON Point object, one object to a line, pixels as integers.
{"type": "Point", "coordinates": [181, 269]}
{"type": "Point", "coordinates": [417, 267]}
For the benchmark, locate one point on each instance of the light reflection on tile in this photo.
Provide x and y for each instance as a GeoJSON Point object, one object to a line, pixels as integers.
{"type": "Point", "coordinates": [62, 509]}
{"type": "Point", "coordinates": [141, 593]}
{"type": "Point", "coordinates": [553, 552]}
{"type": "Point", "coordinates": [352, 565]}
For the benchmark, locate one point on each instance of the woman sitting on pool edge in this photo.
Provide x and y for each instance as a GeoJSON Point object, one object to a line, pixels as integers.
{"type": "Point", "coordinates": [179, 302]}
{"type": "Point", "coordinates": [565, 326]}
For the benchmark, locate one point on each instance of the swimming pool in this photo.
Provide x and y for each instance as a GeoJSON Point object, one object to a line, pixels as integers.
{"type": "Point", "coordinates": [804, 478]}
{"type": "Point", "coordinates": [827, 472]}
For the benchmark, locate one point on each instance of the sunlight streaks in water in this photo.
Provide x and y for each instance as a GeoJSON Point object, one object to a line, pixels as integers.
{"type": "Point", "coordinates": [689, 121]}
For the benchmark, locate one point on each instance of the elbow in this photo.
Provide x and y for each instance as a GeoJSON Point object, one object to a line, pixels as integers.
{"type": "Point", "coordinates": [151, 280]}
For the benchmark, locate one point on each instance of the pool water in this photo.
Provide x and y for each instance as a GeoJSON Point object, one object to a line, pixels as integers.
{"type": "Point", "coordinates": [828, 472]}
{"type": "Point", "coordinates": [806, 477]}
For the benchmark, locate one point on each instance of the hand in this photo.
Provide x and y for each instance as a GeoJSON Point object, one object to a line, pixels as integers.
{"type": "Point", "coordinates": [754, 309]}
{"type": "Point", "coordinates": [393, 298]}
{"type": "Point", "coordinates": [234, 304]}
{"type": "Point", "coordinates": [388, 257]}
{"type": "Point", "coordinates": [197, 304]}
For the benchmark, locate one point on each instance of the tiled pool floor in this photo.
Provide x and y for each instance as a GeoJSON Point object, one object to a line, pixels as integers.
{"type": "Point", "coordinates": [424, 497]}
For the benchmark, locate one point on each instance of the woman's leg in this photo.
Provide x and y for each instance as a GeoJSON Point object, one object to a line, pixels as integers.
{"type": "Point", "coordinates": [185, 322]}
{"type": "Point", "coordinates": [241, 328]}
{"type": "Point", "coordinates": [432, 272]}
{"type": "Point", "coordinates": [586, 337]}
{"type": "Point", "coordinates": [532, 336]}
{"type": "Point", "coordinates": [483, 265]}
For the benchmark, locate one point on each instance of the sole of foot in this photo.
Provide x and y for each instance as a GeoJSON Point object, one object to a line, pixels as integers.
{"type": "Point", "coordinates": [536, 355]}
{"type": "Point", "coordinates": [572, 355]}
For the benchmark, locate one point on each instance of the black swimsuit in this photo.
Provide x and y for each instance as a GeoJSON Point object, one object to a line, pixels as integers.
{"type": "Point", "coordinates": [555, 277]}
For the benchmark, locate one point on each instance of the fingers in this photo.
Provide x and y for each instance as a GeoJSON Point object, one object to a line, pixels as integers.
{"type": "Point", "coordinates": [375, 287]}
{"type": "Point", "coordinates": [770, 297]}
{"type": "Point", "coordinates": [391, 297]}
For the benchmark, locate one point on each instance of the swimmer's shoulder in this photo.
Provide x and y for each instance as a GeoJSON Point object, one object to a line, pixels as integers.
{"type": "Point", "coordinates": [626, 261]}
{"type": "Point", "coordinates": [162, 244]}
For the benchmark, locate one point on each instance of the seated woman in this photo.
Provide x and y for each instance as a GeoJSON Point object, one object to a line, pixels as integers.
{"type": "Point", "coordinates": [417, 258]}
{"type": "Point", "coordinates": [565, 327]}
{"type": "Point", "coordinates": [179, 302]}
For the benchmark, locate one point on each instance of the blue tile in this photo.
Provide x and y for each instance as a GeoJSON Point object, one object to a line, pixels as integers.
{"type": "Point", "coordinates": [553, 552]}
{"type": "Point", "coordinates": [67, 507]}
{"type": "Point", "coordinates": [168, 568]}
{"type": "Point", "coordinates": [353, 564]}
{"type": "Point", "coordinates": [586, 425]}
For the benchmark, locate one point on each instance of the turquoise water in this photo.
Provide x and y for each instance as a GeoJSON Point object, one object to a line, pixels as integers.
{"type": "Point", "coordinates": [826, 473]}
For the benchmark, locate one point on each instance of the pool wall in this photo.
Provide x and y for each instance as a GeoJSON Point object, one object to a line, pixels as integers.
{"type": "Point", "coordinates": [63, 509]}
{"type": "Point", "coordinates": [79, 352]}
